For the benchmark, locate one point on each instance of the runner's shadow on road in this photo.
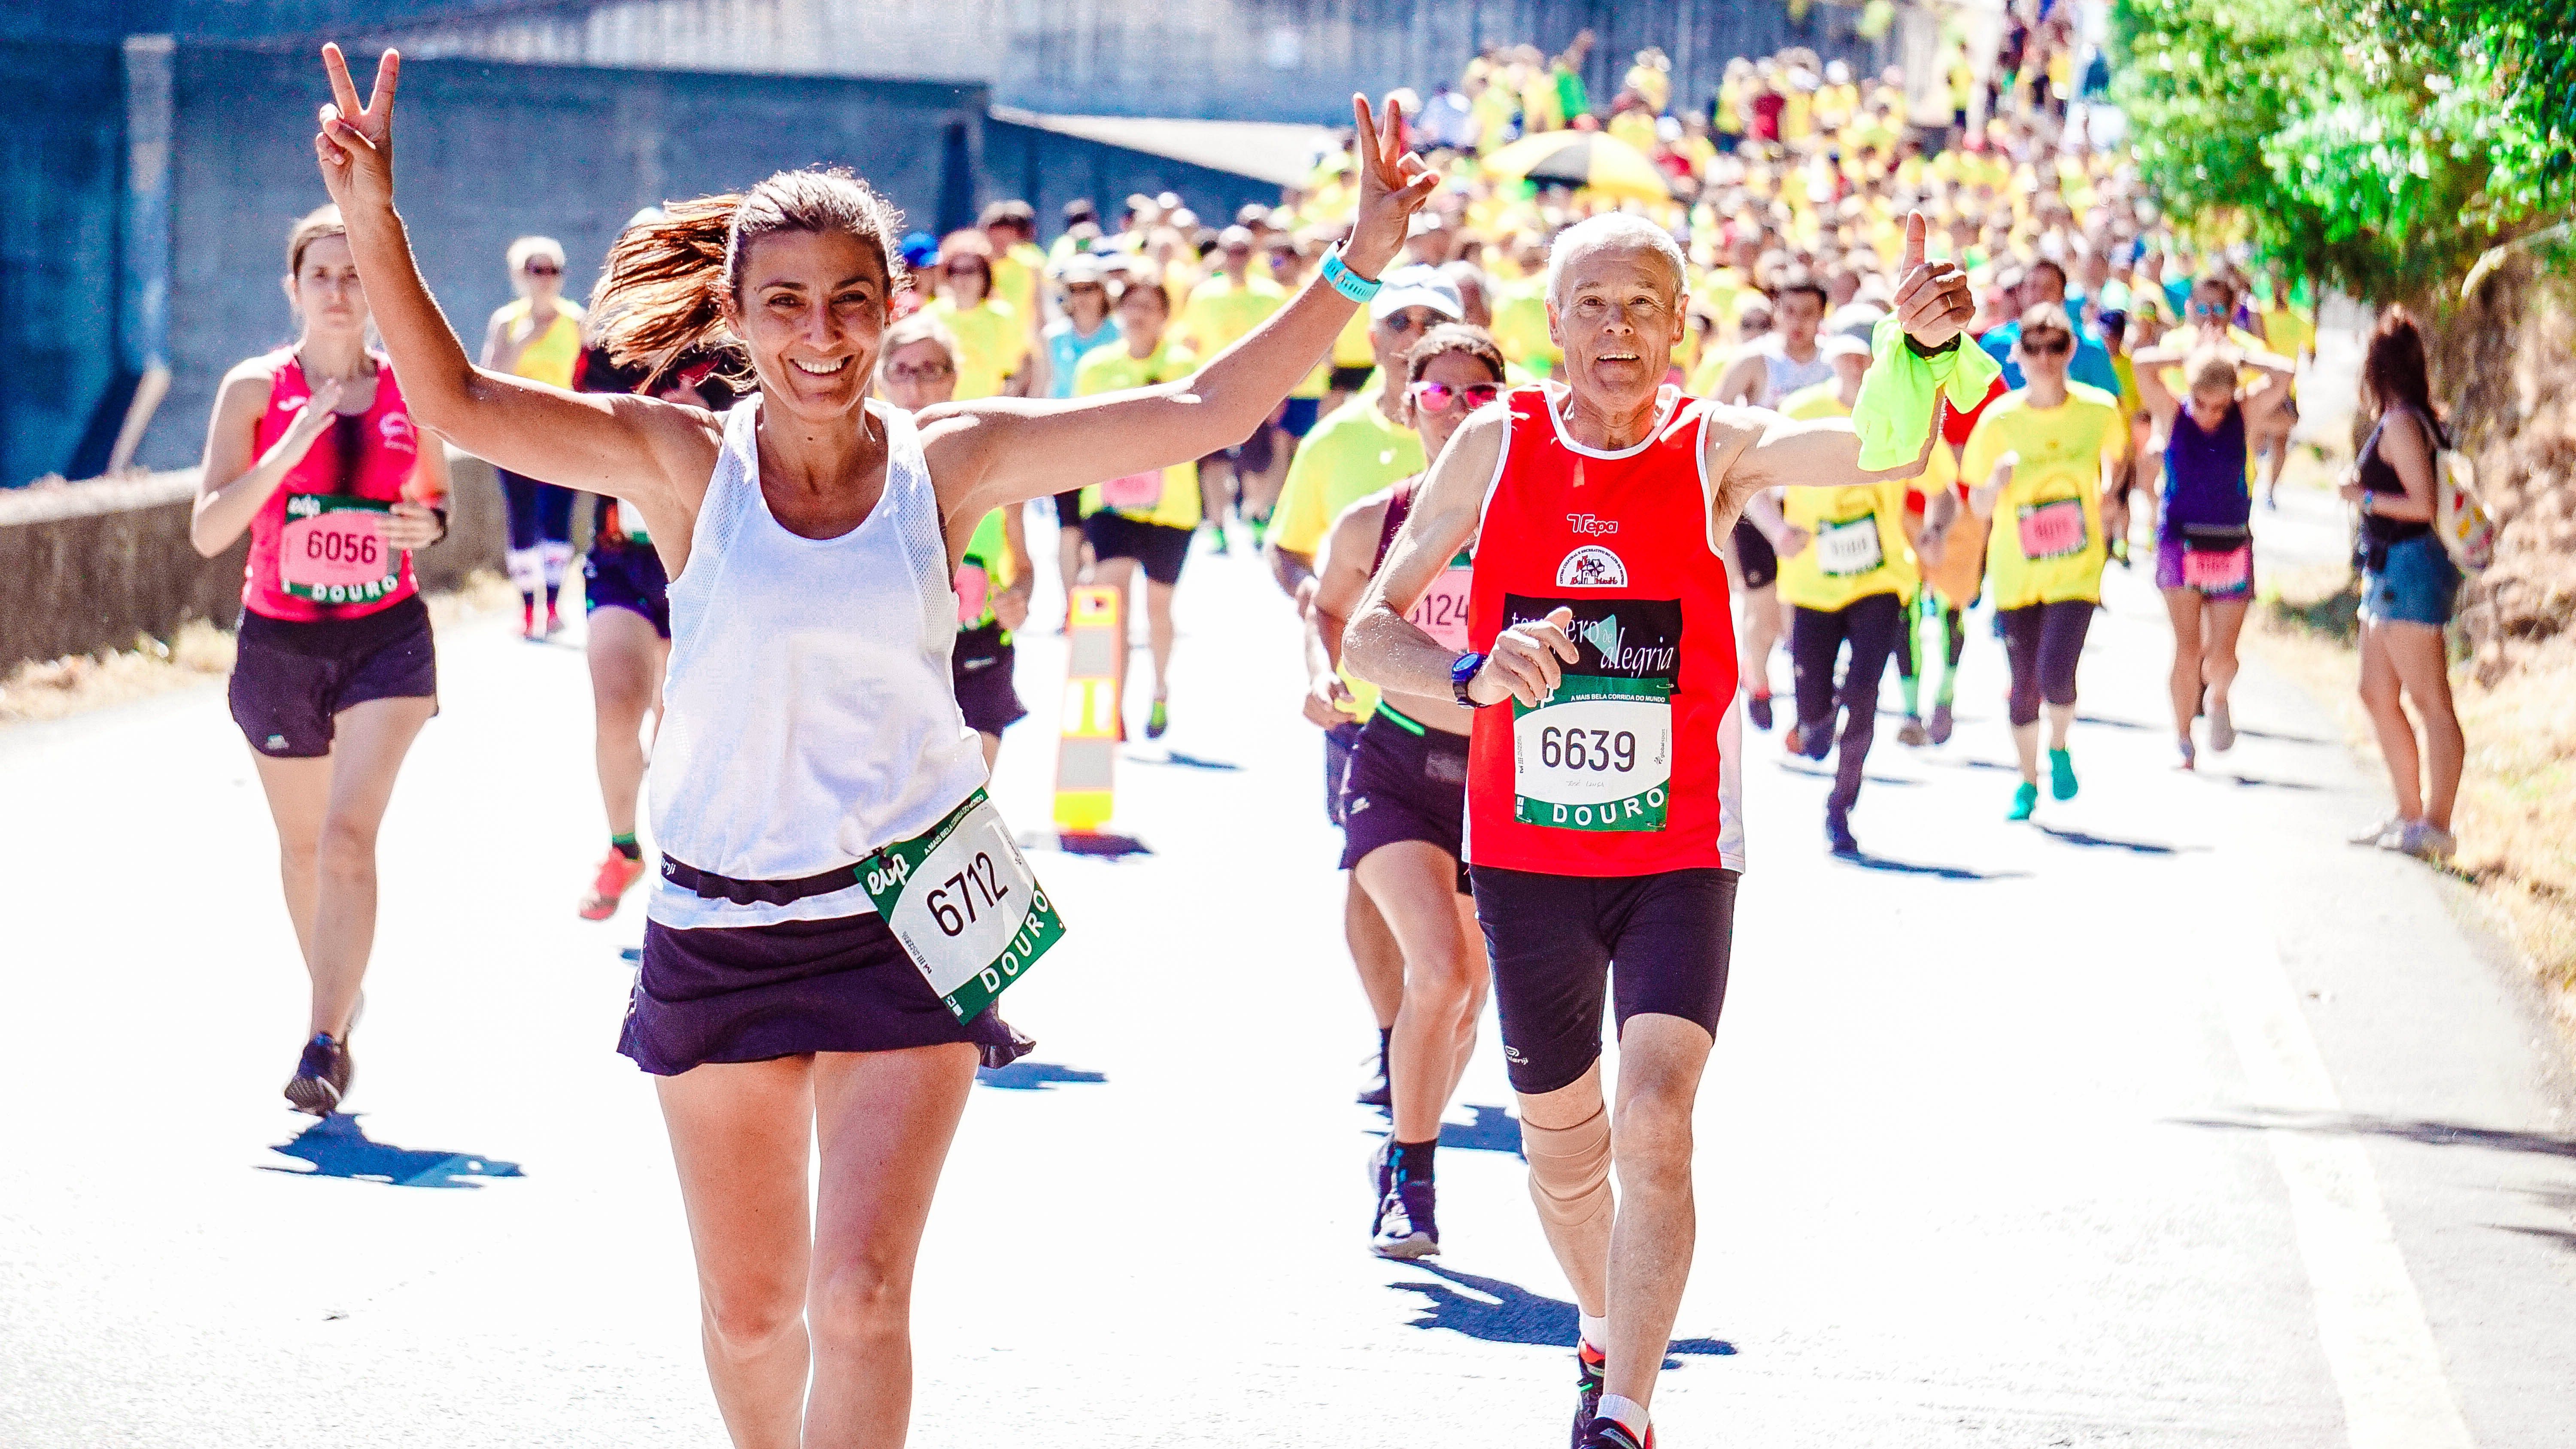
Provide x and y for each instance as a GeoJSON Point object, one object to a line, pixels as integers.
{"type": "Point", "coordinates": [1892, 866]}
{"type": "Point", "coordinates": [1493, 1311]}
{"type": "Point", "coordinates": [337, 1146]}
{"type": "Point", "coordinates": [1028, 1076]}
{"type": "Point", "coordinates": [2409, 1129]}
{"type": "Point", "coordinates": [1812, 773]}
{"type": "Point", "coordinates": [2090, 841]}
{"type": "Point", "coordinates": [2252, 782]}
{"type": "Point", "coordinates": [1186, 762]}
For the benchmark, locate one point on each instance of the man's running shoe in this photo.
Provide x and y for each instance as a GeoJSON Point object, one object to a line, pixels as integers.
{"type": "Point", "coordinates": [1591, 1369]}
{"type": "Point", "coordinates": [2377, 832]}
{"type": "Point", "coordinates": [1374, 1091]}
{"type": "Point", "coordinates": [1941, 722]}
{"type": "Point", "coordinates": [616, 874]}
{"type": "Point", "coordinates": [1838, 830]}
{"type": "Point", "coordinates": [1157, 720]}
{"type": "Point", "coordinates": [1814, 743]}
{"type": "Point", "coordinates": [1609, 1433]}
{"type": "Point", "coordinates": [2025, 800]}
{"type": "Point", "coordinates": [1757, 708]}
{"type": "Point", "coordinates": [2061, 774]}
{"type": "Point", "coordinates": [1911, 732]}
{"type": "Point", "coordinates": [321, 1077]}
{"type": "Point", "coordinates": [1405, 1228]}
{"type": "Point", "coordinates": [2222, 727]}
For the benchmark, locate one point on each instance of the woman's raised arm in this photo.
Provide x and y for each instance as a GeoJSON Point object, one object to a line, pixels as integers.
{"type": "Point", "coordinates": [1001, 451]}
{"type": "Point", "coordinates": [632, 447]}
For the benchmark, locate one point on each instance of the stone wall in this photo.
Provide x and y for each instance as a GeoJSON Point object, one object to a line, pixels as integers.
{"type": "Point", "coordinates": [90, 566]}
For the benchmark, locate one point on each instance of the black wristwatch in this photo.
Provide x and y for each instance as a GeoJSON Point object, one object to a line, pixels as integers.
{"type": "Point", "coordinates": [1462, 672]}
{"type": "Point", "coordinates": [1919, 350]}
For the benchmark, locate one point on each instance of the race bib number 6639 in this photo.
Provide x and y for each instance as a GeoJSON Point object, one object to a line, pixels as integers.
{"type": "Point", "coordinates": [965, 905]}
{"type": "Point", "coordinates": [1597, 752]}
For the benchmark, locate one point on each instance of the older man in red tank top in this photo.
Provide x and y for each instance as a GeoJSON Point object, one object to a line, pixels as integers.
{"type": "Point", "coordinates": [1603, 829]}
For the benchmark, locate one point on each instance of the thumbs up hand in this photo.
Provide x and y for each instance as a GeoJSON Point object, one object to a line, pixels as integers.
{"type": "Point", "coordinates": [1932, 301]}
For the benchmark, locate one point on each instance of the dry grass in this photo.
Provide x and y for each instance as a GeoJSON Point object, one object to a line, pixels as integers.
{"type": "Point", "coordinates": [2516, 817]}
{"type": "Point", "coordinates": [200, 652]}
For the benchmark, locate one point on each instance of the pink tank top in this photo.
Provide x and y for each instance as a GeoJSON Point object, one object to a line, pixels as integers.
{"type": "Point", "coordinates": [317, 548]}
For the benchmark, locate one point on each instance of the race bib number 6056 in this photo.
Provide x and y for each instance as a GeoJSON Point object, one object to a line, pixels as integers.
{"type": "Point", "coordinates": [965, 906]}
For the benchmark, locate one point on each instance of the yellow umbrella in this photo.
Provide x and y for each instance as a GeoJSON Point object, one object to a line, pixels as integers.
{"type": "Point", "coordinates": [1594, 159]}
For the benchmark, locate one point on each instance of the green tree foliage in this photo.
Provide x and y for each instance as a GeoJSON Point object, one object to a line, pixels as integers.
{"type": "Point", "coordinates": [2380, 145]}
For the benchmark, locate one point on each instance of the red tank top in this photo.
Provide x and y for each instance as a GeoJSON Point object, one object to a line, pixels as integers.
{"type": "Point", "coordinates": [1630, 767]}
{"type": "Point", "coordinates": [317, 548]}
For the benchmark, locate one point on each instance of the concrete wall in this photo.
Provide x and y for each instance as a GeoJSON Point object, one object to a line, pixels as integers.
{"type": "Point", "coordinates": [88, 566]}
{"type": "Point", "coordinates": [62, 120]}
{"type": "Point", "coordinates": [491, 152]}
{"type": "Point", "coordinates": [1276, 60]}
{"type": "Point", "coordinates": [1048, 169]}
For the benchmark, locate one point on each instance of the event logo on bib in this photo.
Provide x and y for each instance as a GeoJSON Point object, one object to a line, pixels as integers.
{"type": "Point", "coordinates": [1592, 567]}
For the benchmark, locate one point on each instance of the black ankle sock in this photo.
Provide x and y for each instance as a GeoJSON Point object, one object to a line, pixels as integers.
{"type": "Point", "coordinates": [1385, 1035]}
{"type": "Point", "coordinates": [626, 846]}
{"type": "Point", "coordinates": [1413, 1160]}
{"type": "Point", "coordinates": [552, 591]}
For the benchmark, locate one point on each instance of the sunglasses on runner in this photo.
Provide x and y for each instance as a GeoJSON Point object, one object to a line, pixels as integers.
{"type": "Point", "coordinates": [1436, 397]}
{"type": "Point", "coordinates": [542, 269]}
{"type": "Point", "coordinates": [2058, 348]}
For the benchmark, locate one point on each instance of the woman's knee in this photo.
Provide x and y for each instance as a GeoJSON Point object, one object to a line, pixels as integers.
{"type": "Point", "coordinates": [860, 1300]}
{"type": "Point", "coordinates": [747, 1321]}
{"type": "Point", "coordinates": [346, 848]}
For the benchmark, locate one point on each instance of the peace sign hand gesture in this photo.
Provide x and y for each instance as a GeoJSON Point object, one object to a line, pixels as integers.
{"type": "Point", "coordinates": [356, 143]}
{"type": "Point", "coordinates": [1394, 183]}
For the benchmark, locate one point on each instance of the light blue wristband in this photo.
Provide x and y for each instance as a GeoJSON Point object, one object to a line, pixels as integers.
{"type": "Point", "coordinates": [1347, 282]}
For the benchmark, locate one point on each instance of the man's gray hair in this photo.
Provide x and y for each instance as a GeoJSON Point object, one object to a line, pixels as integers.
{"type": "Point", "coordinates": [1612, 229]}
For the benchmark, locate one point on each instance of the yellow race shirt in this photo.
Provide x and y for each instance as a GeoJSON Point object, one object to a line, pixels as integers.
{"type": "Point", "coordinates": [1015, 277]}
{"type": "Point", "coordinates": [1350, 454]}
{"type": "Point", "coordinates": [1173, 499]}
{"type": "Point", "coordinates": [1856, 536]}
{"type": "Point", "coordinates": [2046, 545]}
{"type": "Point", "coordinates": [550, 356]}
{"type": "Point", "coordinates": [990, 344]}
{"type": "Point", "coordinates": [1520, 326]}
{"type": "Point", "coordinates": [1219, 312]}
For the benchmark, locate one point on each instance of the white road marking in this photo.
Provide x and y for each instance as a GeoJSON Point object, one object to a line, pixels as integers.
{"type": "Point", "coordinates": [2369, 1319]}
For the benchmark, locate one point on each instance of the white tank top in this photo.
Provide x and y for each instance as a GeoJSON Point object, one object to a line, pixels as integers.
{"type": "Point", "coordinates": [809, 716]}
{"type": "Point", "coordinates": [1783, 376]}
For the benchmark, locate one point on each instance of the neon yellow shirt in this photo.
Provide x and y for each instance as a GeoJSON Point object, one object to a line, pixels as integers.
{"type": "Point", "coordinates": [990, 344]}
{"type": "Point", "coordinates": [1351, 346]}
{"type": "Point", "coordinates": [1351, 453]}
{"type": "Point", "coordinates": [1856, 536]}
{"type": "Point", "coordinates": [2046, 545]}
{"type": "Point", "coordinates": [1520, 326]}
{"type": "Point", "coordinates": [1219, 312]}
{"type": "Point", "coordinates": [1115, 369]}
{"type": "Point", "coordinates": [1015, 277]}
{"type": "Point", "coordinates": [550, 356]}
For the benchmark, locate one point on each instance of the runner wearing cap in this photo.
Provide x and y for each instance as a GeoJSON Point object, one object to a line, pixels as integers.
{"type": "Point", "coordinates": [813, 785]}
{"type": "Point", "coordinates": [1404, 804]}
{"type": "Point", "coordinates": [1362, 446]}
{"type": "Point", "coordinates": [1220, 310]}
{"type": "Point", "coordinates": [1847, 572]}
{"type": "Point", "coordinates": [1603, 831]}
{"type": "Point", "coordinates": [1087, 323]}
{"type": "Point", "coordinates": [1781, 361]}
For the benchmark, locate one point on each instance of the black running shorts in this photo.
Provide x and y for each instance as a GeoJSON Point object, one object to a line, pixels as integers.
{"type": "Point", "coordinates": [1404, 784]}
{"type": "Point", "coordinates": [627, 576]}
{"type": "Point", "coordinates": [1561, 943]}
{"type": "Point", "coordinates": [980, 668]}
{"type": "Point", "coordinates": [291, 678]}
{"type": "Point", "coordinates": [1157, 548]}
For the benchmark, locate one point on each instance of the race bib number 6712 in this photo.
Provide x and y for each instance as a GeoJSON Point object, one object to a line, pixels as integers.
{"type": "Point", "coordinates": [965, 905]}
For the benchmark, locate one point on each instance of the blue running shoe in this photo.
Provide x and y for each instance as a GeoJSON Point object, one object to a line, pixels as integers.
{"type": "Point", "coordinates": [321, 1077]}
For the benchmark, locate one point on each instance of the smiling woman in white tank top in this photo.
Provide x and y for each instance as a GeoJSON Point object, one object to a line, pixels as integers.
{"type": "Point", "coordinates": [813, 738]}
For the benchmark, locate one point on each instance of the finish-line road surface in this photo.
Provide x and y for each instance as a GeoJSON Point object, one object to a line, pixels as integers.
{"type": "Point", "coordinates": [2169, 1121]}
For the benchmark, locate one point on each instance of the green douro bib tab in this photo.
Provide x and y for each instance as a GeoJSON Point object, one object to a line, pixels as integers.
{"type": "Point", "coordinates": [965, 905]}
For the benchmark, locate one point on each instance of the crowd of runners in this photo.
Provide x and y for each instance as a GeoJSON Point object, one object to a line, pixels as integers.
{"type": "Point", "coordinates": [1546, 477]}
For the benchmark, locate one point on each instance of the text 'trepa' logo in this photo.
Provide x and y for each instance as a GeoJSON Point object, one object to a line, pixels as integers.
{"type": "Point", "coordinates": [1586, 525]}
{"type": "Point", "coordinates": [1592, 567]}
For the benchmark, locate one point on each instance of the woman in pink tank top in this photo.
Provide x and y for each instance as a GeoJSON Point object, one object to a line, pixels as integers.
{"type": "Point", "coordinates": [313, 454]}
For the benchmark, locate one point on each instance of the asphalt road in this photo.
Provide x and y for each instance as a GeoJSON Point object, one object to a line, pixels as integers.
{"type": "Point", "coordinates": [2169, 1120]}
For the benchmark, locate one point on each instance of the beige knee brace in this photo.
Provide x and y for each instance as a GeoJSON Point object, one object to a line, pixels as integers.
{"type": "Point", "coordinates": [1569, 1169]}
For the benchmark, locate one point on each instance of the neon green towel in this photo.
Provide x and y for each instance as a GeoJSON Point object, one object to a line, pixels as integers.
{"type": "Point", "coordinates": [1897, 398]}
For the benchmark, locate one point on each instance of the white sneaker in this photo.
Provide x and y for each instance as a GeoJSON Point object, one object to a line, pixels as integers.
{"type": "Point", "coordinates": [2421, 839]}
{"type": "Point", "coordinates": [2376, 833]}
{"type": "Point", "coordinates": [2222, 728]}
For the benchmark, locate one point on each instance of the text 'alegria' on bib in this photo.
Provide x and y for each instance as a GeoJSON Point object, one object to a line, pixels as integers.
{"type": "Point", "coordinates": [1597, 752]}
